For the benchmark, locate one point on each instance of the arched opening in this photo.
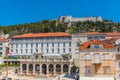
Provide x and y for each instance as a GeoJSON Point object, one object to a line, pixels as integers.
{"type": "Point", "coordinates": [44, 69]}
{"type": "Point", "coordinates": [65, 68]}
{"type": "Point", "coordinates": [51, 68]}
{"type": "Point", "coordinates": [37, 68]}
{"type": "Point", "coordinates": [58, 68]}
{"type": "Point", "coordinates": [24, 68]}
{"type": "Point", "coordinates": [31, 68]}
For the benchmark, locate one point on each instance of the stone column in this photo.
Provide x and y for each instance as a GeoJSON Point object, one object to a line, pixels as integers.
{"type": "Point", "coordinates": [54, 69]}
{"type": "Point", "coordinates": [69, 68]}
{"type": "Point", "coordinates": [21, 68]}
{"type": "Point", "coordinates": [61, 68]}
{"type": "Point", "coordinates": [27, 71]}
{"type": "Point", "coordinates": [34, 69]}
{"type": "Point", "coordinates": [40, 69]}
{"type": "Point", "coordinates": [47, 68]}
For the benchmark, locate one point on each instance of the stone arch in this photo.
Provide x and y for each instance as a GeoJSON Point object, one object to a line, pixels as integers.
{"type": "Point", "coordinates": [51, 68]}
{"type": "Point", "coordinates": [31, 68]}
{"type": "Point", "coordinates": [24, 68]}
{"type": "Point", "coordinates": [58, 68]}
{"type": "Point", "coordinates": [44, 69]}
{"type": "Point", "coordinates": [65, 68]}
{"type": "Point", "coordinates": [37, 68]}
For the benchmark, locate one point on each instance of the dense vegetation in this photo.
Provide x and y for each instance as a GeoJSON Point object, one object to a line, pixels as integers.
{"type": "Point", "coordinates": [55, 26]}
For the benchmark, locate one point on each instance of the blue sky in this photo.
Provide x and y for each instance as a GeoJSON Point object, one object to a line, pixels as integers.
{"type": "Point", "coordinates": [26, 11]}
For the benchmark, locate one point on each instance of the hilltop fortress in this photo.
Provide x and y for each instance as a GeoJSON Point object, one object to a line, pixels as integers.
{"type": "Point", "coordinates": [71, 19]}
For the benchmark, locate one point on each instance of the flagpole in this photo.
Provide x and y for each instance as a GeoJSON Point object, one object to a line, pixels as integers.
{"type": "Point", "coordinates": [7, 65]}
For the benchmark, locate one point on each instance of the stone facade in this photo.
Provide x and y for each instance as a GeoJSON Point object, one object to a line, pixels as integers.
{"type": "Point", "coordinates": [71, 19]}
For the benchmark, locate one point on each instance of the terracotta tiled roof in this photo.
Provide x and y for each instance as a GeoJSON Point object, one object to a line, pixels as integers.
{"type": "Point", "coordinates": [31, 35]}
{"type": "Point", "coordinates": [113, 33]}
{"type": "Point", "coordinates": [89, 33]}
{"type": "Point", "coordinates": [2, 39]}
{"type": "Point", "coordinates": [87, 44]}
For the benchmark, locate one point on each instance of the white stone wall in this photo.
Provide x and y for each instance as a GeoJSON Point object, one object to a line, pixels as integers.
{"type": "Point", "coordinates": [15, 45]}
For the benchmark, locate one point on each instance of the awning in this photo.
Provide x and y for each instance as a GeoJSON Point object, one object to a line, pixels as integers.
{"type": "Point", "coordinates": [97, 78]}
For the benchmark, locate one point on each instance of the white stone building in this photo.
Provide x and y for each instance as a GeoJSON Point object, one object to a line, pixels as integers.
{"type": "Point", "coordinates": [48, 44]}
{"type": "Point", "coordinates": [3, 48]}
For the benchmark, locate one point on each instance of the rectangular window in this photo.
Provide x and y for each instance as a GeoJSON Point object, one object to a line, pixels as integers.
{"type": "Point", "coordinates": [106, 70]}
{"type": "Point", "coordinates": [63, 44]}
{"type": "Point", "coordinates": [16, 45]}
{"type": "Point", "coordinates": [31, 45]}
{"type": "Point", "coordinates": [96, 58]}
{"type": "Point", "coordinates": [87, 57]}
{"type": "Point", "coordinates": [47, 50]}
{"type": "Point", "coordinates": [47, 44]}
{"type": "Point", "coordinates": [70, 50]}
{"type": "Point", "coordinates": [1, 44]}
{"type": "Point", "coordinates": [21, 45]}
{"type": "Point", "coordinates": [69, 44]}
{"type": "Point", "coordinates": [11, 45]}
{"type": "Point", "coordinates": [63, 50]}
{"type": "Point", "coordinates": [26, 45]}
{"type": "Point", "coordinates": [58, 44]}
{"type": "Point", "coordinates": [11, 50]}
{"type": "Point", "coordinates": [0, 48]}
{"type": "Point", "coordinates": [36, 44]}
{"type": "Point", "coordinates": [16, 51]}
{"type": "Point", "coordinates": [41, 44]}
{"type": "Point", "coordinates": [36, 50]}
{"type": "Point", "coordinates": [106, 56]}
{"type": "Point", "coordinates": [52, 50]}
{"type": "Point", "coordinates": [52, 44]}
{"type": "Point", "coordinates": [87, 70]}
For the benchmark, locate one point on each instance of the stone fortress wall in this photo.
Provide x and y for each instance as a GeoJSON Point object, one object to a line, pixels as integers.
{"type": "Point", "coordinates": [71, 19]}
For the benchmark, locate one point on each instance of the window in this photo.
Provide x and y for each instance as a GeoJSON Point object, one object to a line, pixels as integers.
{"type": "Point", "coordinates": [70, 50]}
{"type": "Point", "coordinates": [47, 44]}
{"type": "Point", "coordinates": [106, 56]}
{"type": "Point", "coordinates": [26, 45]}
{"type": "Point", "coordinates": [63, 50]}
{"type": "Point", "coordinates": [1, 44]}
{"type": "Point", "coordinates": [90, 38]}
{"type": "Point", "coordinates": [31, 45]}
{"type": "Point", "coordinates": [47, 50]}
{"type": "Point", "coordinates": [58, 50]}
{"type": "Point", "coordinates": [118, 64]}
{"type": "Point", "coordinates": [97, 58]}
{"type": "Point", "coordinates": [21, 45]}
{"type": "Point", "coordinates": [58, 44]}
{"type": "Point", "coordinates": [69, 44]}
{"type": "Point", "coordinates": [63, 44]}
{"type": "Point", "coordinates": [36, 44]}
{"type": "Point", "coordinates": [36, 50]}
{"type": "Point", "coordinates": [0, 48]}
{"type": "Point", "coordinates": [78, 44]}
{"type": "Point", "coordinates": [16, 45]}
{"type": "Point", "coordinates": [87, 57]}
{"type": "Point", "coordinates": [96, 46]}
{"type": "Point", "coordinates": [11, 45]}
{"type": "Point", "coordinates": [87, 70]}
{"type": "Point", "coordinates": [96, 38]}
{"type": "Point", "coordinates": [16, 51]}
{"type": "Point", "coordinates": [52, 50]}
{"type": "Point", "coordinates": [41, 44]}
{"type": "Point", "coordinates": [106, 70]}
{"type": "Point", "coordinates": [11, 50]}
{"type": "Point", "coordinates": [52, 44]}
